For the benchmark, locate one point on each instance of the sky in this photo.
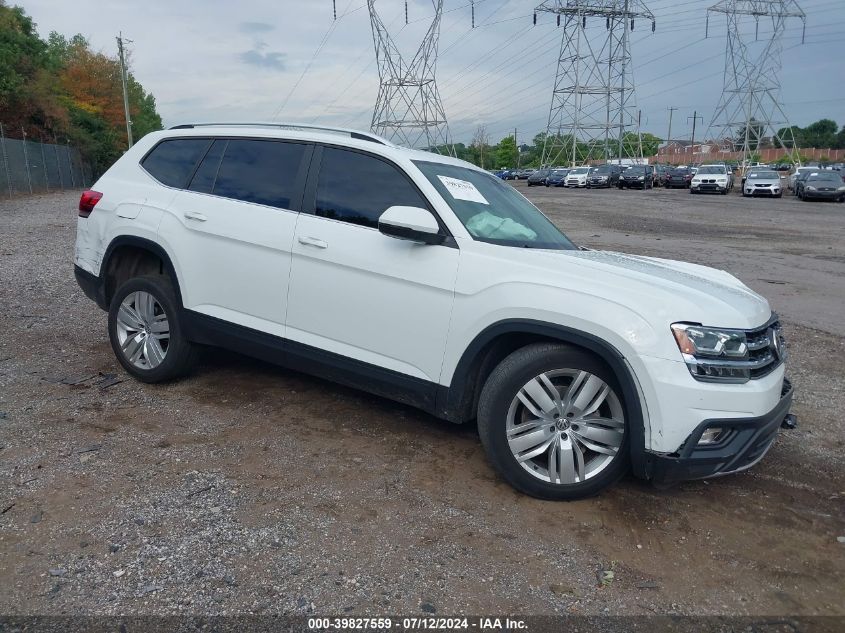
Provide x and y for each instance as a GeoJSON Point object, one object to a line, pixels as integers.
{"type": "Point", "coordinates": [287, 60]}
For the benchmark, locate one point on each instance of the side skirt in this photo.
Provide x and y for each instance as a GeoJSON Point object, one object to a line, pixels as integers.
{"type": "Point", "coordinates": [373, 379]}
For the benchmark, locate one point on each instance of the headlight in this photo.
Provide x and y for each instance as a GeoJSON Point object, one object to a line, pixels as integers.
{"type": "Point", "coordinates": [702, 341]}
{"type": "Point", "coordinates": [810, 188]}
{"type": "Point", "coordinates": [713, 354]}
{"type": "Point", "coordinates": [841, 189]}
{"type": "Point", "coordinates": [640, 177]}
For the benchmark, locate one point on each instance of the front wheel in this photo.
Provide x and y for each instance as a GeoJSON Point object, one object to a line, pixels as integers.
{"type": "Point", "coordinates": [553, 424]}
{"type": "Point", "coordinates": [146, 332]}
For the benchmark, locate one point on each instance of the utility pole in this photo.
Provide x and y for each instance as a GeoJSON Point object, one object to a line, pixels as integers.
{"type": "Point", "coordinates": [669, 134]}
{"type": "Point", "coordinates": [516, 144]}
{"type": "Point", "coordinates": [694, 118]}
{"type": "Point", "coordinates": [125, 93]}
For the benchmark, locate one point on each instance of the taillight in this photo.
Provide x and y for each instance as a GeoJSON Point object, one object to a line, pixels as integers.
{"type": "Point", "coordinates": [88, 201]}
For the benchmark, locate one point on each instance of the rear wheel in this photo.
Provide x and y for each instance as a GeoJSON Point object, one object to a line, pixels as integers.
{"type": "Point", "coordinates": [146, 332]}
{"type": "Point", "coordinates": [553, 424]}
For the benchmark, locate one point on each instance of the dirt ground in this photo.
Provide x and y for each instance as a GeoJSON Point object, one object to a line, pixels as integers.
{"type": "Point", "coordinates": [248, 488]}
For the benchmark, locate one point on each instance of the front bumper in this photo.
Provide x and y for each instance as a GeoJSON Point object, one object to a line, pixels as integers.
{"type": "Point", "coordinates": [745, 443]}
{"type": "Point", "coordinates": [763, 191]}
{"type": "Point", "coordinates": [823, 195]}
{"type": "Point", "coordinates": [709, 186]}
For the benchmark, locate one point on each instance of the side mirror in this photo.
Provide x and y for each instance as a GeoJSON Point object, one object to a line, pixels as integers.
{"type": "Point", "coordinates": [411, 223]}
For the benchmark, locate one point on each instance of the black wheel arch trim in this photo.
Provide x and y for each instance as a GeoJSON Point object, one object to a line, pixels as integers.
{"type": "Point", "coordinates": [139, 242]}
{"type": "Point", "coordinates": [450, 400]}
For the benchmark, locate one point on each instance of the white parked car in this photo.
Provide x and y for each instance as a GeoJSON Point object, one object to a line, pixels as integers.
{"type": "Point", "coordinates": [577, 177]}
{"type": "Point", "coordinates": [762, 182]}
{"type": "Point", "coordinates": [797, 172]}
{"type": "Point", "coordinates": [427, 280]}
{"type": "Point", "coordinates": [712, 178]}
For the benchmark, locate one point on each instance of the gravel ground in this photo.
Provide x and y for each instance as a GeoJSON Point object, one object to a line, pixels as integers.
{"type": "Point", "coordinates": [248, 488]}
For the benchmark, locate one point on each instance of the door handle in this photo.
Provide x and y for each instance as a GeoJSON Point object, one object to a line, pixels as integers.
{"type": "Point", "coordinates": [313, 241]}
{"type": "Point", "coordinates": [193, 215]}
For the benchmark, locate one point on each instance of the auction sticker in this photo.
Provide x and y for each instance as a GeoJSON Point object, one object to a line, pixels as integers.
{"type": "Point", "coordinates": [462, 190]}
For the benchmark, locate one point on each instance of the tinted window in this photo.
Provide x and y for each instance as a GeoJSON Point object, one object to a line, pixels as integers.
{"type": "Point", "coordinates": [203, 180]}
{"type": "Point", "coordinates": [263, 172]}
{"type": "Point", "coordinates": [358, 188]}
{"type": "Point", "coordinates": [173, 162]}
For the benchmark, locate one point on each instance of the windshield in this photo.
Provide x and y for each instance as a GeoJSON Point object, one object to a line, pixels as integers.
{"type": "Point", "coordinates": [710, 169]}
{"type": "Point", "coordinates": [680, 172]}
{"type": "Point", "coordinates": [580, 170]}
{"type": "Point", "coordinates": [767, 175]}
{"type": "Point", "coordinates": [831, 176]}
{"type": "Point", "coordinates": [635, 169]}
{"type": "Point", "coordinates": [560, 172]}
{"type": "Point", "coordinates": [491, 210]}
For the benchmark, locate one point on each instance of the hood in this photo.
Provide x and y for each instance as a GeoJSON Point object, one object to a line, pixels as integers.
{"type": "Point", "coordinates": [658, 289]}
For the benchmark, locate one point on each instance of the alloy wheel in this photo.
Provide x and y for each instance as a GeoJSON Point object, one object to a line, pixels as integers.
{"type": "Point", "coordinates": [143, 330]}
{"type": "Point", "coordinates": [565, 426]}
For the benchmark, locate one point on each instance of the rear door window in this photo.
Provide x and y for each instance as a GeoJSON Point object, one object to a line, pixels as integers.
{"type": "Point", "coordinates": [261, 171]}
{"type": "Point", "coordinates": [172, 162]}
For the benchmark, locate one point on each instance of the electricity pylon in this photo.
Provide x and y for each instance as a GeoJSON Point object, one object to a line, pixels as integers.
{"type": "Point", "coordinates": [593, 112]}
{"type": "Point", "coordinates": [750, 109]}
{"type": "Point", "coordinates": [408, 109]}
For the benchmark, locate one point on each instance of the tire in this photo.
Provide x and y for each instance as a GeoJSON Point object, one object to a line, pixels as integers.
{"type": "Point", "coordinates": [555, 472]}
{"type": "Point", "coordinates": [141, 308]}
{"type": "Point", "coordinates": [780, 195]}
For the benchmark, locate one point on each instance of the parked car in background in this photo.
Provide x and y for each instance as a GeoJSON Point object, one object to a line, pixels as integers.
{"type": "Point", "coordinates": [523, 174]}
{"type": "Point", "coordinates": [604, 176]}
{"type": "Point", "coordinates": [762, 182]}
{"type": "Point", "coordinates": [660, 173]}
{"type": "Point", "coordinates": [800, 177]}
{"type": "Point", "coordinates": [711, 178]}
{"type": "Point", "coordinates": [538, 177]}
{"type": "Point", "coordinates": [822, 185]}
{"type": "Point", "coordinates": [678, 177]}
{"type": "Point", "coordinates": [557, 178]}
{"type": "Point", "coordinates": [793, 177]}
{"type": "Point", "coordinates": [577, 177]}
{"type": "Point", "coordinates": [637, 177]}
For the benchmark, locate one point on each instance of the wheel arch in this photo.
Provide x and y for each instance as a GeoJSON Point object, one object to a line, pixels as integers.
{"type": "Point", "coordinates": [141, 256]}
{"type": "Point", "coordinates": [459, 401]}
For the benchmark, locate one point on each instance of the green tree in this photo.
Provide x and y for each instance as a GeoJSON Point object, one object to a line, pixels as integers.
{"type": "Point", "coordinates": [506, 152]}
{"type": "Point", "coordinates": [62, 89]}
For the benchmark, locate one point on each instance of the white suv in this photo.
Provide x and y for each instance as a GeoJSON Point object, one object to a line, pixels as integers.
{"type": "Point", "coordinates": [427, 280]}
{"type": "Point", "coordinates": [715, 178]}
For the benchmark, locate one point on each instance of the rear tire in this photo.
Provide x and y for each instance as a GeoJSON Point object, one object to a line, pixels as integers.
{"type": "Point", "coordinates": [553, 423]}
{"type": "Point", "coordinates": [146, 332]}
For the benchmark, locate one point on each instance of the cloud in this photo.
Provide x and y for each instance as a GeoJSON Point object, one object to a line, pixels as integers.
{"type": "Point", "coordinates": [256, 27]}
{"type": "Point", "coordinates": [270, 60]}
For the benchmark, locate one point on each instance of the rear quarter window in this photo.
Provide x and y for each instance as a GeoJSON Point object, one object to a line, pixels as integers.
{"type": "Point", "coordinates": [172, 162]}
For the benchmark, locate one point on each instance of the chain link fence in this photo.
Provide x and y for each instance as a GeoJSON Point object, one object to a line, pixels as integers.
{"type": "Point", "coordinates": [31, 167]}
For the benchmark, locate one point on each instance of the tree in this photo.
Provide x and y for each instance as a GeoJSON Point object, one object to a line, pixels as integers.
{"type": "Point", "coordinates": [61, 89]}
{"type": "Point", "coordinates": [506, 152]}
{"type": "Point", "coordinates": [754, 131]}
{"type": "Point", "coordinates": [480, 144]}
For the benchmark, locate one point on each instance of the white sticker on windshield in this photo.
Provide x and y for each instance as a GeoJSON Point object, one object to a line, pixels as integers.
{"type": "Point", "coordinates": [462, 190]}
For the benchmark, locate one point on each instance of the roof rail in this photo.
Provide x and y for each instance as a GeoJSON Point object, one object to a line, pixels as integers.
{"type": "Point", "coordinates": [289, 126]}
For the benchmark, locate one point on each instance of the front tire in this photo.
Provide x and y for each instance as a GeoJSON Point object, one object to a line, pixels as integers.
{"type": "Point", "coordinates": [146, 332]}
{"type": "Point", "coordinates": [553, 424]}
